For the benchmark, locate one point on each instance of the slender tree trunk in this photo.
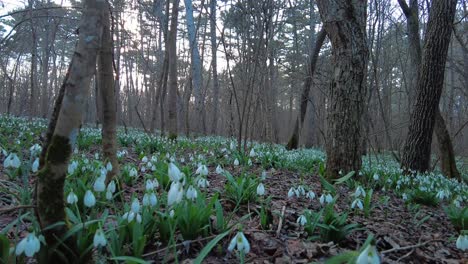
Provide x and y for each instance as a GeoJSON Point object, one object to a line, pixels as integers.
{"type": "Point", "coordinates": [214, 66]}
{"type": "Point", "coordinates": [447, 155]}
{"type": "Point", "coordinates": [172, 97]}
{"type": "Point", "coordinates": [417, 149]}
{"type": "Point", "coordinates": [51, 178]}
{"type": "Point", "coordinates": [345, 25]}
{"type": "Point", "coordinates": [107, 95]}
{"type": "Point", "coordinates": [33, 74]}
{"type": "Point", "coordinates": [294, 139]}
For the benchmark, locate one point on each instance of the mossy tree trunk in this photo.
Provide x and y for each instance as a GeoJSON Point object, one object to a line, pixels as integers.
{"type": "Point", "coordinates": [108, 99]}
{"type": "Point", "coordinates": [51, 178]}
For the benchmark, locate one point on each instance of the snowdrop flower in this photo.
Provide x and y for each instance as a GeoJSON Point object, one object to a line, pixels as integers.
{"type": "Point", "coordinates": [149, 185]}
{"type": "Point", "coordinates": [109, 195]}
{"type": "Point", "coordinates": [111, 187]}
{"type": "Point", "coordinates": [135, 207]}
{"type": "Point", "coordinates": [99, 239]}
{"type": "Point", "coordinates": [89, 199]}
{"type": "Point", "coordinates": [144, 159]}
{"type": "Point", "coordinates": [133, 172]}
{"type": "Point", "coordinates": [291, 192]}
{"type": "Point", "coordinates": [376, 177]}
{"type": "Point", "coordinates": [359, 192]}
{"type": "Point", "coordinates": [143, 169]}
{"type": "Point", "coordinates": [202, 170]}
{"type": "Point", "coordinates": [236, 162]}
{"type": "Point", "coordinates": [326, 198]}
{"type": "Point", "coordinates": [171, 214]}
{"type": "Point", "coordinates": [300, 190]}
{"type": "Point", "coordinates": [35, 149]}
{"type": "Point", "coordinates": [149, 199]}
{"type": "Point", "coordinates": [368, 256]}
{"type": "Point", "coordinates": [191, 193]}
{"type": "Point", "coordinates": [232, 145]}
{"type": "Point", "coordinates": [260, 189]}
{"type": "Point", "coordinates": [35, 165]}
{"type": "Point", "coordinates": [99, 184]}
{"type": "Point", "coordinates": [310, 195]}
{"type": "Point", "coordinates": [175, 194]}
{"type": "Point", "coordinates": [96, 156]}
{"type": "Point", "coordinates": [72, 198]}
{"type": "Point", "coordinates": [252, 153]}
{"type": "Point", "coordinates": [357, 202]}
{"type": "Point", "coordinates": [12, 161]}
{"type": "Point", "coordinates": [462, 242]}
{"type": "Point", "coordinates": [264, 175]}
{"type": "Point", "coordinates": [241, 242]}
{"type": "Point", "coordinates": [174, 172]}
{"type": "Point", "coordinates": [302, 220]}
{"type": "Point", "coordinates": [249, 162]}
{"type": "Point", "coordinates": [109, 166]}
{"type": "Point", "coordinates": [130, 216]}
{"type": "Point", "coordinates": [72, 167]}
{"type": "Point", "coordinates": [219, 170]}
{"type": "Point", "coordinates": [405, 197]}
{"type": "Point", "coordinates": [29, 245]}
{"type": "Point", "coordinates": [203, 183]}
{"type": "Point", "coordinates": [440, 195]}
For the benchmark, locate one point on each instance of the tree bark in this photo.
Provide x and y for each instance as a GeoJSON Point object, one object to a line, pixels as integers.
{"type": "Point", "coordinates": [417, 149]}
{"type": "Point", "coordinates": [345, 25]}
{"type": "Point", "coordinates": [51, 178]}
{"type": "Point", "coordinates": [447, 155]}
{"type": "Point", "coordinates": [108, 99]}
{"type": "Point", "coordinates": [214, 67]}
{"type": "Point", "coordinates": [172, 97]}
{"type": "Point", "coordinates": [294, 139]}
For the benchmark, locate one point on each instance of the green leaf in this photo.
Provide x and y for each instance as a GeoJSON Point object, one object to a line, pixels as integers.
{"type": "Point", "coordinates": [129, 259]}
{"type": "Point", "coordinates": [328, 186]}
{"type": "Point", "coordinates": [4, 249]}
{"type": "Point", "coordinates": [346, 257]}
{"type": "Point", "coordinates": [344, 178]}
{"type": "Point", "coordinates": [206, 250]}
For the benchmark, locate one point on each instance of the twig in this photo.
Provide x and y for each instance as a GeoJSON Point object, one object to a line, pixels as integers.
{"type": "Point", "coordinates": [411, 247]}
{"type": "Point", "coordinates": [280, 224]}
{"type": "Point", "coordinates": [5, 210]}
{"type": "Point", "coordinates": [177, 245]}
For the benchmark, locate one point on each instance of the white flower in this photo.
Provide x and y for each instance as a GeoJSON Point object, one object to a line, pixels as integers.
{"type": "Point", "coordinates": [203, 183]}
{"type": "Point", "coordinates": [150, 199]}
{"type": "Point", "coordinates": [133, 172]}
{"type": "Point", "coordinates": [357, 202]}
{"type": "Point", "coordinates": [174, 172]}
{"type": "Point", "coordinates": [72, 198]}
{"type": "Point", "coordinates": [368, 256]}
{"type": "Point", "coordinates": [175, 194]}
{"type": "Point", "coordinates": [405, 197]}
{"type": "Point", "coordinates": [135, 207]}
{"type": "Point", "coordinates": [264, 175]}
{"type": "Point", "coordinates": [260, 189]}
{"type": "Point", "coordinates": [359, 192]}
{"type": "Point", "coordinates": [109, 195]}
{"type": "Point", "coordinates": [99, 184]}
{"type": "Point", "coordinates": [191, 193]}
{"type": "Point", "coordinates": [202, 170]}
{"type": "Point", "coordinates": [462, 242]}
{"type": "Point", "coordinates": [241, 242]}
{"type": "Point", "coordinates": [249, 162]}
{"type": "Point", "coordinates": [310, 195]}
{"type": "Point", "coordinates": [12, 161]}
{"type": "Point", "coordinates": [328, 198]}
{"type": "Point", "coordinates": [35, 149]}
{"type": "Point", "coordinates": [96, 155]}
{"type": "Point", "coordinates": [149, 185]}
{"type": "Point", "coordinates": [291, 192]}
{"type": "Point", "coordinates": [376, 177]}
{"type": "Point", "coordinates": [302, 220]}
{"type": "Point", "coordinates": [440, 195]}
{"type": "Point", "coordinates": [144, 159]}
{"type": "Point", "coordinates": [35, 165]}
{"type": "Point", "coordinates": [236, 162]}
{"type": "Point", "coordinates": [72, 167]}
{"type": "Point", "coordinates": [111, 187]}
{"type": "Point", "coordinates": [219, 170]}
{"type": "Point", "coordinates": [109, 166]}
{"type": "Point", "coordinates": [129, 216]}
{"type": "Point", "coordinates": [252, 153]}
{"type": "Point", "coordinates": [232, 145]}
{"type": "Point", "coordinates": [301, 191]}
{"type": "Point", "coordinates": [89, 199]}
{"type": "Point", "coordinates": [322, 198]}
{"type": "Point", "coordinates": [99, 239]}
{"type": "Point", "coordinates": [30, 245]}
{"type": "Point", "coordinates": [171, 213]}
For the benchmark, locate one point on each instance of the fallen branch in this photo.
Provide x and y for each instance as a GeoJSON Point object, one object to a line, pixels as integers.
{"type": "Point", "coordinates": [411, 246]}
{"type": "Point", "coordinates": [280, 224]}
{"type": "Point", "coordinates": [6, 210]}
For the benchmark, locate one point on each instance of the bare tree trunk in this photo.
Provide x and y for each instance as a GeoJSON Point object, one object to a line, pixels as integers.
{"type": "Point", "coordinates": [417, 149]}
{"type": "Point", "coordinates": [172, 97]}
{"type": "Point", "coordinates": [214, 67]}
{"type": "Point", "coordinates": [294, 139]}
{"type": "Point", "coordinates": [345, 25]}
{"type": "Point", "coordinates": [33, 74]}
{"type": "Point", "coordinates": [447, 155]}
{"type": "Point", "coordinates": [107, 96]}
{"type": "Point", "coordinates": [51, 178]}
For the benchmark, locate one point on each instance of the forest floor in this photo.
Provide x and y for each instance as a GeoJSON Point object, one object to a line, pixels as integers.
{"type": "Point", "coordinates": [405, 231]}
